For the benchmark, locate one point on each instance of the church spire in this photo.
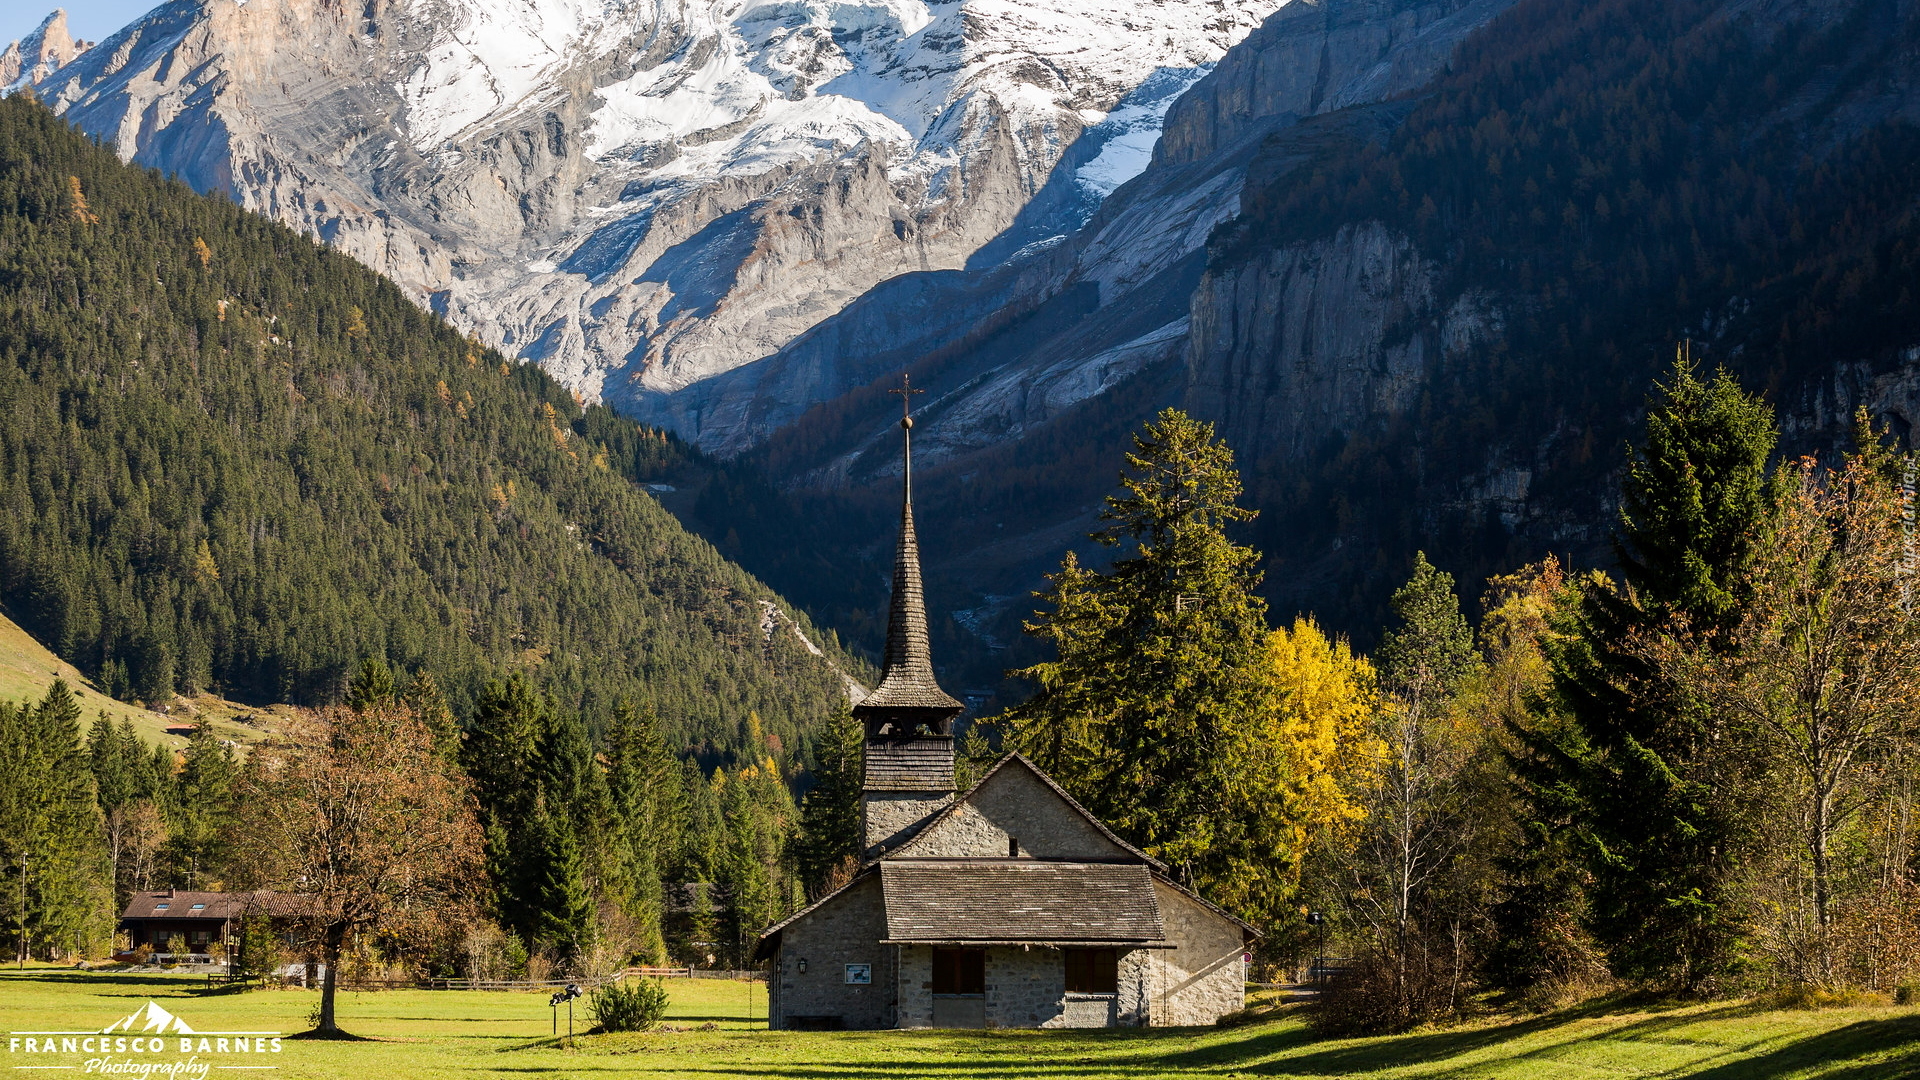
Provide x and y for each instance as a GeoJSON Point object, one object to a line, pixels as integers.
{"type": "Point", "coordinates": [908, 684]}
{"type": "Point", "coordinates": [909, 719]}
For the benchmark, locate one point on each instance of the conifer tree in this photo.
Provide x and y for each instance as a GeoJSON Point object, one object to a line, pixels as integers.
{"type": "Point", "coordinates": [1648, 775]}
{"type": "Point", "coordinates": [830, 839]}
{"type": "Point", "coordinates": [647, 823]}
{"type": "Point", "coordinates": [59, 888]}
{"type": "Point", "coordinates": [201, 811]}
{"type": "Point", "coordinates": [1158, 658]}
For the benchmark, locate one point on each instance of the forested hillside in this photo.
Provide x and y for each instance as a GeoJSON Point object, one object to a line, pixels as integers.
{"type": "Point", "coordinates": [236, 459]}
{"type": "Point", "coordinates": [1589, 184]}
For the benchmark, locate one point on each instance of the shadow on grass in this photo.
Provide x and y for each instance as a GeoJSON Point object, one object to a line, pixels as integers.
{"type": "Point", "coordinates": [1837, 1050]}
{"type": "Point", "coordinates": [184, 983]}
{"type": "Point", "coordinates": [336, 1035]}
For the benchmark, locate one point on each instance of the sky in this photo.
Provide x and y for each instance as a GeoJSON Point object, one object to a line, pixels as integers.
{"type": "Point", "coordinates": [89, 19]}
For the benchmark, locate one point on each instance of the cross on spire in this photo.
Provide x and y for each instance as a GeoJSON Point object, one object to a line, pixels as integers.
{"type": "Point", "coordinates": [906, 391]}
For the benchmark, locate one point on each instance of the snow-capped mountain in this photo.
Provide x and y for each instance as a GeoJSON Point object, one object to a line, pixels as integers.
{"type": "Point", "coordinates": [640, 194]}
{"type": "Point", "coordinates": [31, 59]}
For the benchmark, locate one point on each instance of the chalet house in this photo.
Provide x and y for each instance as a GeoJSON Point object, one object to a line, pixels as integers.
{"type": "Point", "coordinates": [1009, 905]}
{"type": "Point", "coordinates": [198, 919]}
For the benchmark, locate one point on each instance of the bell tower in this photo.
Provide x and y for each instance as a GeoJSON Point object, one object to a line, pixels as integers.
{"type": "Point", "coordinates": [908, 718]}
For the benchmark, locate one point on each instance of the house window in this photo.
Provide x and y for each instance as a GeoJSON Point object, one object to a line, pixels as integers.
{"type": "Point", "coordinates": [1093, 971]}
{"type": "Point", "coordinates": [959, 971]}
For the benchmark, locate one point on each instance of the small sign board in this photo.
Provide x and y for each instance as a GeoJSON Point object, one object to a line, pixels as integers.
{"type": "Point", "coordinates": [860, 974]}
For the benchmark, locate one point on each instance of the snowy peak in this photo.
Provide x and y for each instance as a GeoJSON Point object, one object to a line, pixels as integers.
{"type": "Point", "coordinates": [150, 1018]}
{"type": "Point", "coordinates": [643, 194]}
{"type": "Point", "coordinates": [30, 60]}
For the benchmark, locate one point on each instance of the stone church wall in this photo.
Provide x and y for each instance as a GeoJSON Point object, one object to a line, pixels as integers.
{"type": "Point", "coordinates": [847, 930]}
{"type": "Point", "coordinates": [1027, 988]}
{"type": "Point", "coordinates": [1016, 804]}
{"type": "Point", "coordinates": [1203, 978]}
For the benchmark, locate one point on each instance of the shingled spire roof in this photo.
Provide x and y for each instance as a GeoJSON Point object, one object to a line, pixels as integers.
{"type": "Point", "coordinates": [908, 681]}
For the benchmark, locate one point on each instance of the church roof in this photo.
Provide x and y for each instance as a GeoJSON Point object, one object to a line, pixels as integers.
{"type": "Point", "coordinates": [907, 681]}
{"type": "Point", "coordinates": [1019, 900]}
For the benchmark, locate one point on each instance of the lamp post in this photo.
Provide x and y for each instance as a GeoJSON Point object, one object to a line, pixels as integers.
{"type": "Point", "coordinates": [572, 991]}
{"type": "Point", "coordinates": [1319, 970]}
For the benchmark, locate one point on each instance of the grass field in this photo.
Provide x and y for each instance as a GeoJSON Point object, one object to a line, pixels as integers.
{"type": "Point", "coordinates": [425, 1035]}
{"type": "Point", "coordinates": [27, 669]}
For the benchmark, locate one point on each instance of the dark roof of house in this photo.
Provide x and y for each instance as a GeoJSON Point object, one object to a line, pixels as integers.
{"type": "Point", "coordinates": [182, 904]}
{"type": "Point", "coordinates": [922, 763]}
{"type": "Point", "coordinates": [907, 680]}
{"type": "Point", "coordinates": [1020, 900]}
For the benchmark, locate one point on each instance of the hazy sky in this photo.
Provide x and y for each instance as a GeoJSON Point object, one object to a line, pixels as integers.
{"type": "Point", "coordinates": [89, 19]}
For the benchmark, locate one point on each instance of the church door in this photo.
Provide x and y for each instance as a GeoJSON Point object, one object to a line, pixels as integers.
{"type": "Point", "coordinates": [959, 988]}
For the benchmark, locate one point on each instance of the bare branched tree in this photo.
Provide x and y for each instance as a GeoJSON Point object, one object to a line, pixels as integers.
{"type": "Point", "coordinates": [358, 813]}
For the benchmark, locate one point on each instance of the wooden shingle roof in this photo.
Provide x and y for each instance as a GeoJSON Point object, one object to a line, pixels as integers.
{"type": "Point", "coordinates": [907, 681]}
{"type": "Point", "coordinates": [1019, 900]}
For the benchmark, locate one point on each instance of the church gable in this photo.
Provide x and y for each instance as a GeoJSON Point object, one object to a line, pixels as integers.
{"type": "Point", "coordinates": [1015, 804]}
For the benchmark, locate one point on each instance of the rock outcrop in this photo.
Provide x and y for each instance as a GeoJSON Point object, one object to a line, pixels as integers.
{"type": "Point", "coordinates": [33, 58]}
{"type": "Point", "coordinates": [645, 193]}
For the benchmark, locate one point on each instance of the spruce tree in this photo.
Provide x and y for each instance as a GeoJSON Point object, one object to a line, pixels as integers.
{"type": "Point", "coordinates": [59, 890]}
{"type": "Point", "coordinates": [647, 823]}
{"type": "Point", "coordinates": [1157, 658]}
{"type": "Point", "coordinates": [830, 836]}
{"type": "Point", "coordinates": [201, 811]}
{"type": "Point", "coordinates": [1645, 772]}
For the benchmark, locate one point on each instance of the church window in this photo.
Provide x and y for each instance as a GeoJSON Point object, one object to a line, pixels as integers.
{"type": "Point", "coordinates": [959, 971]}
{"type": "Point", "coordinates": [1093, 971]}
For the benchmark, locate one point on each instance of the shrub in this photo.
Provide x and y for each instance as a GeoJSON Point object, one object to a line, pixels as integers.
{"type": "Point", "coordinates": [633, 1005]}
{"type": "Point", "coordinates": [1907, 994]}
{"type": "Point", "coordinates": [1382, 994]}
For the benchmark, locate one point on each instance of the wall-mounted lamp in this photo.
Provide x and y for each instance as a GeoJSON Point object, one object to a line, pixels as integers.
{"type": "Point", "coordinates": [803, 965]}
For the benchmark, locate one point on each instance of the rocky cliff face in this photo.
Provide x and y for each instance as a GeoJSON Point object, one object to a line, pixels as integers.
{"type": "Point", "coordinates": [1113, 294]}
{"type": "Point", "coordinates": [641, 194]}
{"type": "Point", "coordinates": [32, 59]}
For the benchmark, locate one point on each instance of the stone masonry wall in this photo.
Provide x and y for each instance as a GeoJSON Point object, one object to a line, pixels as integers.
{"type": "Point", "coordinates": [1027, 988]}
{"type": "Point", "coordinates": [1013, 803]}
{"type": "Point", "coordinates": [890, 818]}
{"type": "Point", "coordinates": [1203, 978]}
{"type": "Point", "coordinates": [847, 930]}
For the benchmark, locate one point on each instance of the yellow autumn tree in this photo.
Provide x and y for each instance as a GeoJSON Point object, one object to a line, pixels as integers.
{"type": "Point", "coordinates": [1297, 764]}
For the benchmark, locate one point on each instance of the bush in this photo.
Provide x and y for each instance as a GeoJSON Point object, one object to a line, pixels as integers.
{"type": "Point", "coordinates": [634, 1005]}
{"type": "Point", "coordinates": [1381, 994]}
{"type": "Point", "coordinates": [1907, 994]}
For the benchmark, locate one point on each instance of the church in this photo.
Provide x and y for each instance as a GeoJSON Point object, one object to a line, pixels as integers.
{"type": "Point", "coordinates": [1007, 905]}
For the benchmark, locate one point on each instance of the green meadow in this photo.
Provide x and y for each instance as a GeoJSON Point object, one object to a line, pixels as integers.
{"type": "Point", "coordinates": [714, 1030]}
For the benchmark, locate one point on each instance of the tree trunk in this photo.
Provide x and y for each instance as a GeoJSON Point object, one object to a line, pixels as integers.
{"type": "Point", "coordinates": [336, 936]}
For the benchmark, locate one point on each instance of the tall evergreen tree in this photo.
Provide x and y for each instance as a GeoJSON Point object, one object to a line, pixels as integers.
{"type": "Point", "coordinates": [1159, 658]}
{"type": "Point", "coordinates": [201, 811]}
{"type": "Point", "coordinates": [647, 823]}
{"type": "Point", "coordinates": [830, 837]}
{"type": "Point", "coordinates": [52, 859]}
{"type": "Point", "coordinates": [1644, 770]}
